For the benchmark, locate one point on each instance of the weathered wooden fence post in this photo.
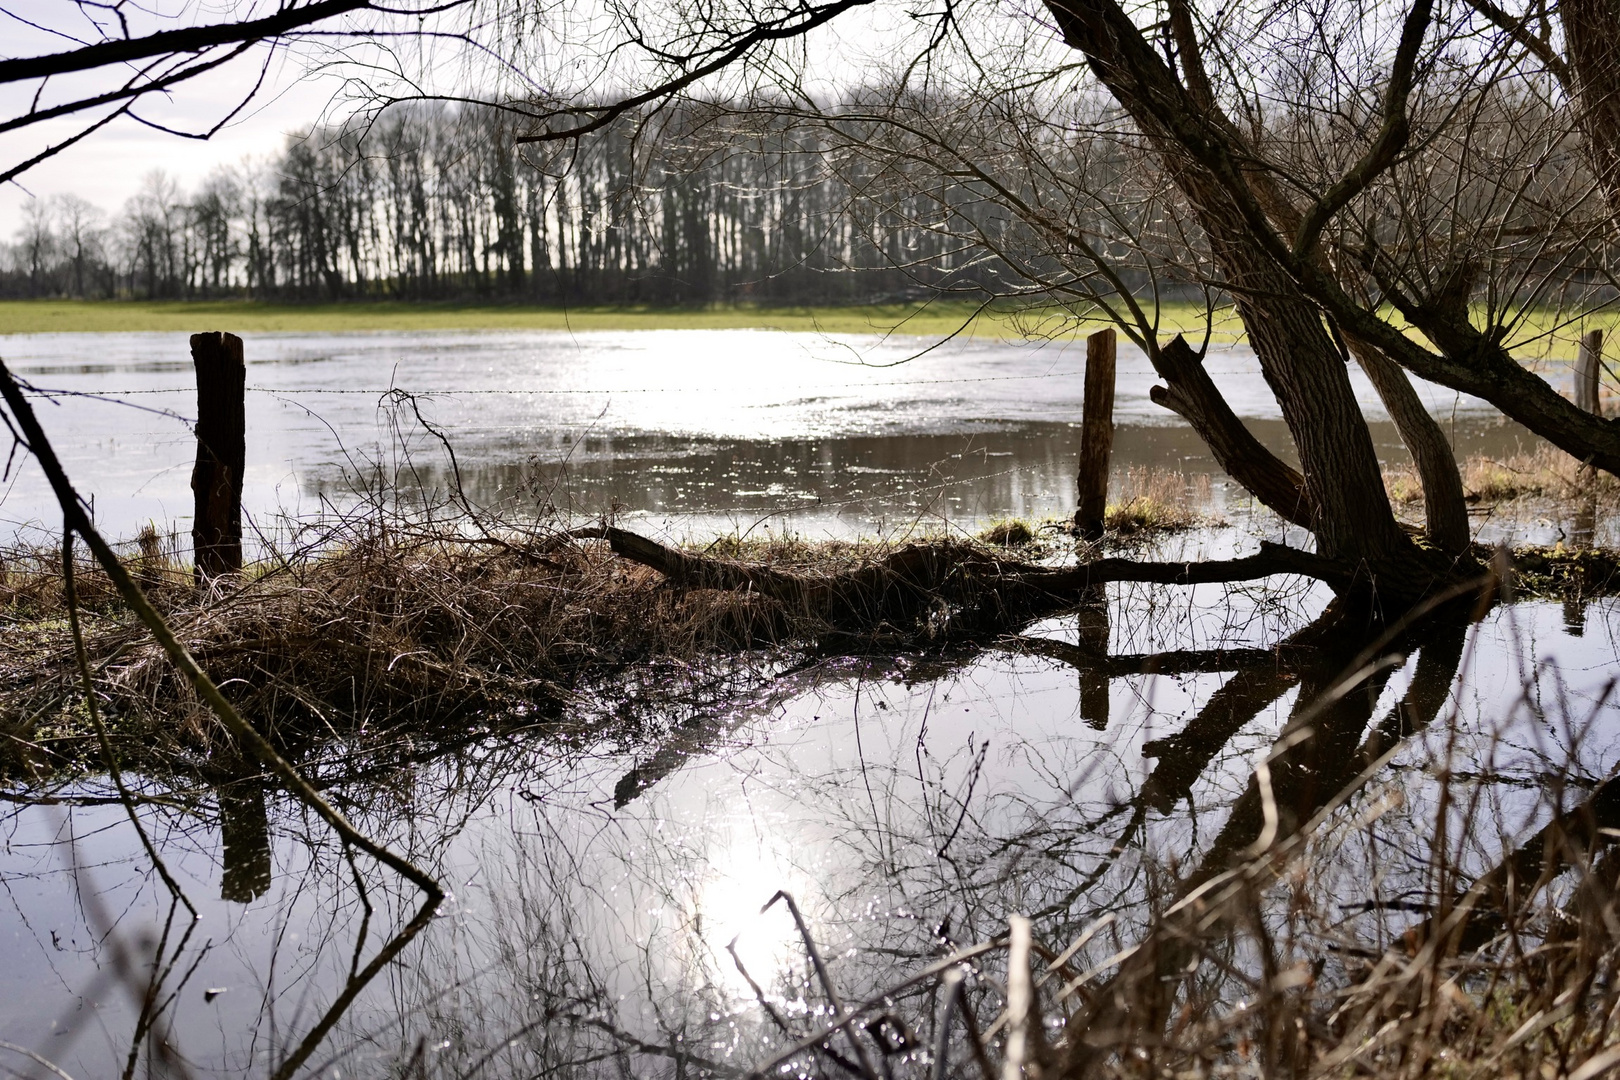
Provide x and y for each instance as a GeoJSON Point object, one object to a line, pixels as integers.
{"type": "Point", "coordinates": [1586, 372]}
{"type": "Point", "coordinates": [1091, 482]}
{"type": "Point", "coordinates": [1096, 435]}
{"type": "Point", "coordinates": [216, 480]}
{"type": "Point", "coordinates": [1583, 530]}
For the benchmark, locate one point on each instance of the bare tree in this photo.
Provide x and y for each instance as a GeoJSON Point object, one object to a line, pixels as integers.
{"type": "Point", "coordinates": [1349, 172]}
{"type": "Point", "coordinates": [153, 227]}
{"type": "Point", "coordinates": [36, 246]}
{"type": "Point", "coordinates": [93, 63]}
{"type": "Point", "coordinates": [82, 238]}
{"type": "Point", "coordinates": [1345, 173]}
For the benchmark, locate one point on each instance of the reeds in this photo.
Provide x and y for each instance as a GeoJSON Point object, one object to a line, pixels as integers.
{"type": "Point", "coordinates": [1543, 473]}
{"type": "Point", "coordinates": [1159, 500]}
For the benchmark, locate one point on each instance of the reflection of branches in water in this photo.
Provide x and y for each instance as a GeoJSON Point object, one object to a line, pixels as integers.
{"type": "Point", "coordinates": [589, 933]}
{"type": "Point", "coordinates": [549, 970]}
{"type": "Point", "coordinates": [437, 786]}
{"type": "Point", "coordinates": [1134, 1007]}
{"type": "Point", "coordinates": [1313, 784]}
{"type": "Point", "coordinates": [554, 918]}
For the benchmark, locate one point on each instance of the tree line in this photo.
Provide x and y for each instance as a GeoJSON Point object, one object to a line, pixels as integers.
{"type": "Point", "coordinates": [436, 203]}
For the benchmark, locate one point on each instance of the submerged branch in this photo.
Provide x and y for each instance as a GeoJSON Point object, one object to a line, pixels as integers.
{"type": "Point", "coordinates": [962, 582]}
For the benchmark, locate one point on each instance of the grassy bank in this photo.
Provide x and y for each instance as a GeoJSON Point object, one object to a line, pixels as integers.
{"type": "Point", "coordinates": [243, 316]}
{"type": "Point", "coordinates": [1541, 337]}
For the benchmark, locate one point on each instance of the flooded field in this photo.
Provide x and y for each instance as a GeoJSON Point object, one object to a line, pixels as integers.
{"type": "Point", "coordinates": [687, 432]}
{"type": "Point", "coordinates": [812, 860]}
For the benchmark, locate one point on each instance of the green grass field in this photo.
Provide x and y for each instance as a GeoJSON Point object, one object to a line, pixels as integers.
{"type": "Point", "coordinates": [929, 320]}
{"type": "Point", "coordinates": [1538, 338]}
{"type": "Point", "coordinates": [55, 316]}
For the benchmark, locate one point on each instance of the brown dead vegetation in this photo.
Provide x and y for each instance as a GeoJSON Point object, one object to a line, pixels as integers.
{"type": "Point", "coordinates": [374, 629]}
{"type": "Point", "coordinates": [376, 626]}
{"type": "Point", "coordinates": [1543, 473]}
{"type": "Point", "coordinates": [1155, 500]}
{"type": "Point", "coordinates": [379, 627]}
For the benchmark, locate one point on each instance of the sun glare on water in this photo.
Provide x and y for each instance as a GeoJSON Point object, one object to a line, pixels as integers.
{"type": "Point", "coordinates": [745, 872]}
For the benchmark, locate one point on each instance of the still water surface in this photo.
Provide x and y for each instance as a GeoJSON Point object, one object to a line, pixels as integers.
{"type": "Point", "coordinates": [906, 804]}
{"type": "Point", "coordinates": [601, 864]}
{"type": "Point", "coordinates": [687, 431]}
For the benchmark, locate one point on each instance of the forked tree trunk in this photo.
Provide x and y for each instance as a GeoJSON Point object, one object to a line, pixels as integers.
{"type": "Point", "coordinates": [1301, 363]}
{"type": "Point", "coordinates": [1444, 507]}
{"type": "Point", "coordinates": [1307, 375]}
{"type": "Point", "coordinates": [1193, 395]}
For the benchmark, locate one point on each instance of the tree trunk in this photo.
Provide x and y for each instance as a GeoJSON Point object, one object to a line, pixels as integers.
{"type": "Point", "coordinates": [1592, 41]}
{"type": "Point", "coordinates": [934, 589]}
{"type": "Point", "coordinates": [1306, 372]}
{"type": "Point", "coordinates": [1444, 507]}
{"type": "Point", "coordinates": [1299, 359]}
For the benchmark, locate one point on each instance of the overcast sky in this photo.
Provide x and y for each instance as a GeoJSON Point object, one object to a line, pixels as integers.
{"type": "Point", "coordinates": [110, 165]}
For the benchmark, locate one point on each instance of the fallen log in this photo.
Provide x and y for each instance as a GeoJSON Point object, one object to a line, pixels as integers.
{"type": "Point", "coordinates": [947, 585]}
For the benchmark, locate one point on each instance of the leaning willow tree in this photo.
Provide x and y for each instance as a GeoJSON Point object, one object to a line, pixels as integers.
{"type": "Point", "coordinates": [1419, 188]}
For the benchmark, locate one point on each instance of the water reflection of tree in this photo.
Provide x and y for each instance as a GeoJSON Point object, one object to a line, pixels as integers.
{"type": "Point", "coordinates": [551, 961]}
{"type": "Point", "coordinates": [636, 999]}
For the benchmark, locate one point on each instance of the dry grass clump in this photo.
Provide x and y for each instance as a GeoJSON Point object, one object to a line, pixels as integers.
{"type": "Point", "coordinates": [1008, 532]}
{"type": "Point", "coordinates": [31, 579]}
{"type": "Point", "coordinates": [370, 630]}
{"type": "Point", "coordinates": [1158, 500]}
{"type": "Point", "coordinates": [1403, 487]}
{"type": "Point", "coordinates": [26, 591]}
{"type": "Point", "coordinates": [790, 551]}
{"type": "Point", "coordinates": [1545, 472]}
